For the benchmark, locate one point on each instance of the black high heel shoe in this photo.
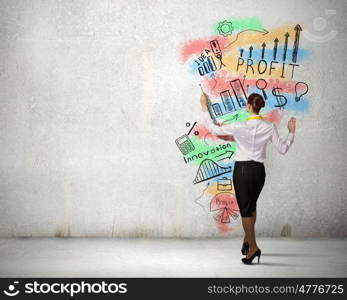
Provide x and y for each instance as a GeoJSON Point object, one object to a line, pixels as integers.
{"type": "Point", "coordinates": [248, 261]}
{"type": "Point", "coordinates": [245, 247]}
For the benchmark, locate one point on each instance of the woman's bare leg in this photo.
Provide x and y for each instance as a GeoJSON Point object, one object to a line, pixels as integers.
{"type": "Point", "coordinates": [248, 226]}
{"type": "Point", "coordinates": [245, 239]}
{"type": "Point", "coordinates": [254, 217]}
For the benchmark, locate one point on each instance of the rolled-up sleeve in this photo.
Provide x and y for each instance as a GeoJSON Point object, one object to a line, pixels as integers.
{"type": "Point", "coordinates": [282, 146]}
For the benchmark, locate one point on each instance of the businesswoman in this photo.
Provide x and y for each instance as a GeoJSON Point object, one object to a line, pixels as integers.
{"type": "Point", "coordinates": [251, 139]}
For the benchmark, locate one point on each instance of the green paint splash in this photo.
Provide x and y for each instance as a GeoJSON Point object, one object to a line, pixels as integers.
{"type": "Point", "coordinates": [236, 117]}
{"type": "Point", "coordinates": [250, 23]}
{"type": "Point", "coordinates": [216, 150]}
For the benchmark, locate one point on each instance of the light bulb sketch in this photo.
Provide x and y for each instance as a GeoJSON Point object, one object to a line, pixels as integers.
{"type": "Point", "coordinates": [301, 88]}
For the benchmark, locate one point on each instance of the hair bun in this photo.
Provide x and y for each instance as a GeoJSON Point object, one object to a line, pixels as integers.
{"type": "Point", "coordinates": [256, 101]}
{"type": "Point", "coordinates": [260, 102]}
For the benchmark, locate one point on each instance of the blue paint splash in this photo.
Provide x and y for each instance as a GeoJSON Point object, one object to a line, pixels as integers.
{"type": "Point", "coordinates": [303, 105]}
{"type": "Point", "coordinates": [303, 54]}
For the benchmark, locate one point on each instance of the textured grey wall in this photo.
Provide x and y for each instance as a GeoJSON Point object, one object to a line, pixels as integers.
{"type": "Point", "coordinates": [92, 98]}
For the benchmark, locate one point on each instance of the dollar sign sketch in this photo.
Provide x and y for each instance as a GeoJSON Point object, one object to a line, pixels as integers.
{"type": "Point", "coordinates": [281, 103]}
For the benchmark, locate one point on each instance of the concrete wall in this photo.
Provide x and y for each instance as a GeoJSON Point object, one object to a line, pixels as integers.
{"type": "Point", "coordinates": [93, 97]}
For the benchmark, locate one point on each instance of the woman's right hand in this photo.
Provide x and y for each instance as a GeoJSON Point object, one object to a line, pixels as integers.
{"type": "Point", "coordinates": [292, 125]}
{"type": "Point", "coordinates": [204, 102]}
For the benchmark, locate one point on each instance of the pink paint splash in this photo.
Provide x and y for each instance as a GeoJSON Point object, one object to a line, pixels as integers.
{"type": "Point", "coordinates": [204, 133]}
{"type": "Point", "coordinates": [273, 116]}
{"type": "Point", "coordinates": [223, 227]}
{"type": "Point", "coordinates": [195, 47]}
{"type": "Point", "coordinates": [221, 82]}
{"type": "Point", "coordinates": [213, 86]}
{"type": "Point", "coordinates": [287, 86]}
{"type": "Point", "coordinates": [225, 207]}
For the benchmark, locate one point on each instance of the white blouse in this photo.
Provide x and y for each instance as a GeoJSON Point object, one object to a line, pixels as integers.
{"type": "Point", "coordinates": [251, 137]}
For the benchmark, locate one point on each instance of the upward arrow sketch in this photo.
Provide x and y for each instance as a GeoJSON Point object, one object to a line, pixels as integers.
{"type": "Point", "coordinates": [250, 51]}
{"type": "Point", "coordinates": [275, 48]}
{"type": "Point", "coordinates": [285, 46]}
{"type": "Point", "coordinates": [241, 52]}
{"type": "Point", "coordinates": [297, 29]}
{"type": "Point", "coordinates": [263, 31]}
{"type": "Point", "coordinates": [263, 50]}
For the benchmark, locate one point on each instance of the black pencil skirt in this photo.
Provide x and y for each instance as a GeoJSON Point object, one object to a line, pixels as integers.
{"type": "Point", "coordinates": [249, 178]}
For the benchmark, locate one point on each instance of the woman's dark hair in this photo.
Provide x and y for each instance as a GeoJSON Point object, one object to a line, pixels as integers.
{"type": "Point", "coordinates": [256, 101]}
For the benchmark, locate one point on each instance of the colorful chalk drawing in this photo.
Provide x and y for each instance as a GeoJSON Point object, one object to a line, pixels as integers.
{"type": "Point", "coordinates": [239, 58]}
